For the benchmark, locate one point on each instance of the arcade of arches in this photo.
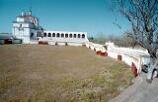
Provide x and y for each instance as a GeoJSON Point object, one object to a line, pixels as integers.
{"type": "Point", "coordinates": [62, 35]}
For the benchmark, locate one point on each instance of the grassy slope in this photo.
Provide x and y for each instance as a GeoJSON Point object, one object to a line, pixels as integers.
{"type": "Point", "coordinates": [36, 73]}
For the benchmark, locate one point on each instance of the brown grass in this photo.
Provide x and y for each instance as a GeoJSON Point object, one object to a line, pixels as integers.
{"type": "Point", "coordinates": [42, 73]}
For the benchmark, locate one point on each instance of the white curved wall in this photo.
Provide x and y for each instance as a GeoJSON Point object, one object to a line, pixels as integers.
{"type": "Point", "coordinates": [128, 55]}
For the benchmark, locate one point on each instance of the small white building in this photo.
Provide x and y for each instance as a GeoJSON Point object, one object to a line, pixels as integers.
{"type": "Point", "coordinates": [27, 28]}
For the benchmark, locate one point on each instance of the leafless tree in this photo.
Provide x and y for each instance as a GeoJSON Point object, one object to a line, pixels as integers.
{"type": "Point", "coordinates": [143, 16]}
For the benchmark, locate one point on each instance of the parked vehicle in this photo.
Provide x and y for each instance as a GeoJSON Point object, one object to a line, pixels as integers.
{"type": "Point", "coordinates": [154, 72]}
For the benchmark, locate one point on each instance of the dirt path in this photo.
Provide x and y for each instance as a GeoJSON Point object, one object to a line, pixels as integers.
{"type": "Point", "coordinates": [140, 91]}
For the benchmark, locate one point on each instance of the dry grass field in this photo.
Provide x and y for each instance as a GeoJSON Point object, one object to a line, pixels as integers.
{"type": "Point", "coordinates": [42, 73]}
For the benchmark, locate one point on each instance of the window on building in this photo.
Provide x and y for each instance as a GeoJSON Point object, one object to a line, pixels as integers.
{"type": "Point", "coordinates": [20, 27]}
{"type": "Point", "coordinates": [58, 35]}
{"type": "Point", "coordinates": [70, 35]}
{"type": "Point", "coordinates": [66, 35]}
{"type": "Point", "coordinates": [78, 35]}
{"type": "Point", "coordinates": [62, 35]}
{"type": "Point", "coordinates": [53, 34]}
{"type": "Point", "coordinates": [39, 34]}
{"type": "Point", "coordinates": [83, 35]}
{"type": "Point", "coordinates": [49, 34]}
{"type": "Point", "coordinates": [74, 35]}
{"type": "Point", "coordinates": [45, 34]}
{"type": "Point", "coordinates": [31, 35]}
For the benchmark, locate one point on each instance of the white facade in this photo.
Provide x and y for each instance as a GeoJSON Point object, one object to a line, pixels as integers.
{"type": "Point", "coordinates": [72, 38]}
{"type": "Point", "coordinates": [26, 27]}
{"type": "Point", "coordinates": [22, 31]}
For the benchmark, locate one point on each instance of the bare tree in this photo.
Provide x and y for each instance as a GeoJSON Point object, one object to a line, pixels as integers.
{"type": "Point", "coordinates": [143, 16]}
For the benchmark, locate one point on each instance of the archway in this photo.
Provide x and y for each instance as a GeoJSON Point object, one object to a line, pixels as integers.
{"type": "Point", "coordinates": [79, 35]}
{"type": "Point", "coordinates": [83, 35]}
{"type": "Point", "coordinates": [70, 35]}
{"type": "Point", "coordinates": [62, 35]}
{"type": "Point", "coordinates": [58, 35]}
{"type": "Point", "coordinates": [49, 34]}
{"type": "Point", "coordinates": [66, 35]}
{"type": "Point", "coordinates": [53, 34]}
{"type": "Point", "coordinates": [45, 34]}
{"type": "Point", "coordinates": [74, 35]}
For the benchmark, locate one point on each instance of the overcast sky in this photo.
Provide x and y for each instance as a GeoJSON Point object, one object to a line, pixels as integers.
{"type": "Point", "coordinates": [92, 16]}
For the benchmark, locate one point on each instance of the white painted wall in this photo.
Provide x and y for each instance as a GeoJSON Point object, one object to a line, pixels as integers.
{"type": "Point", "coordinates": [129, 55]}
{"type": "Point", "coordinates": [21, 31]}
{"type": "Point", "coordinates": [70, 40]}
{"type": "Point", "coordinates": [97, 47]}
{"type": "Point", "coordinates": [75, 44]}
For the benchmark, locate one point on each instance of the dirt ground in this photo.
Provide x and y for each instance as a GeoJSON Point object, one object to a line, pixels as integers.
{"type": "Point", "coordinates": [43, 73]}
{"type": "Point", "coordinates": [140, 91]}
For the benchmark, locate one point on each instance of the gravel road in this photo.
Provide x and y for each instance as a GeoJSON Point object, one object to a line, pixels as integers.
{"type": "Point", "coordinates": [140, 91]}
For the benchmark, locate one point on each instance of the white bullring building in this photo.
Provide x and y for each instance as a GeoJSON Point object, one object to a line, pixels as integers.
{"type": "Point", "coordinates": [27, 28]}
